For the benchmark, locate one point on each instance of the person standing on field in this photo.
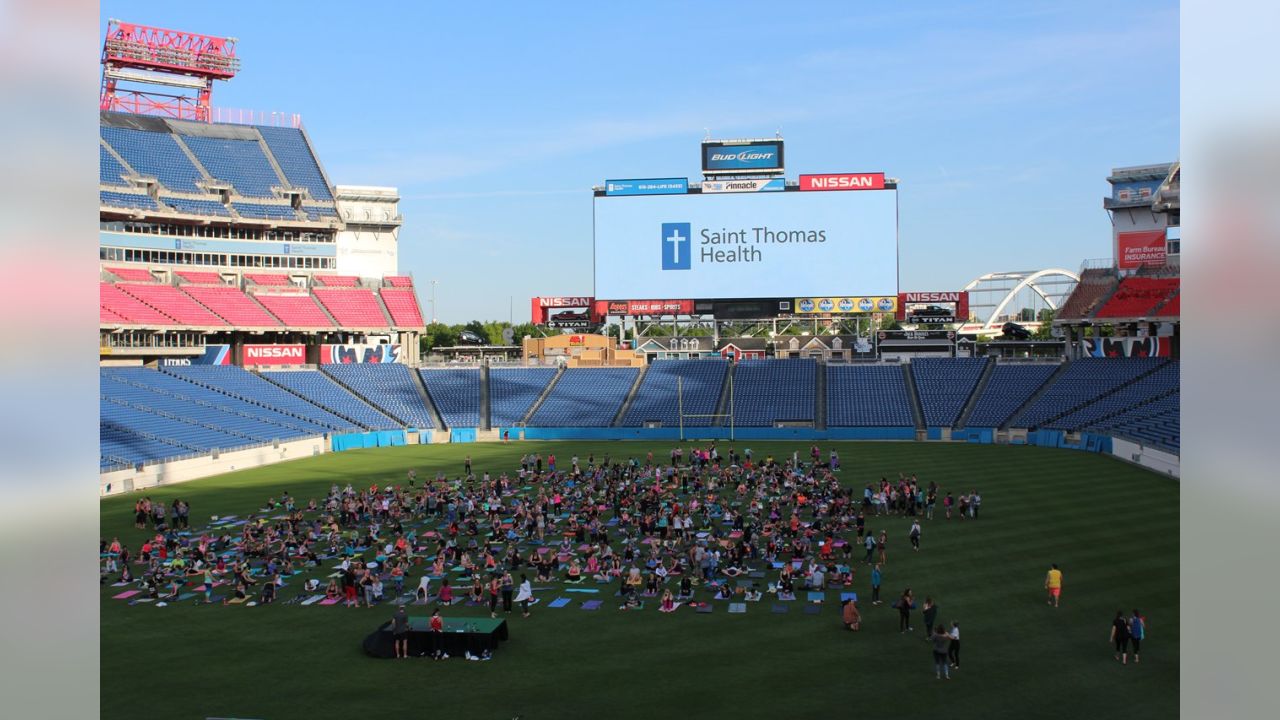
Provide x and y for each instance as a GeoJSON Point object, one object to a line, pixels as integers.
{"type": "Point", "coordinates": [1120, 636]}
{"type": "Point", "coordinates": [930, 614]}
{"type": "Point", "coordinates": [1137, 632]}
{"type": "Point", "coordinates": [915, 535]}
{"type": "Point", "coordinates": [1053, 584]}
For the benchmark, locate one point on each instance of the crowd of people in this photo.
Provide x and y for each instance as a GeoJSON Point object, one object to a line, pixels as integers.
{"type": "Point", "coordinates": [734, 524]}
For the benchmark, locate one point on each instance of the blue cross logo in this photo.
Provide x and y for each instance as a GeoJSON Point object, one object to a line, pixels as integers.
{"type": "Point", "coordinates": [677, 250]}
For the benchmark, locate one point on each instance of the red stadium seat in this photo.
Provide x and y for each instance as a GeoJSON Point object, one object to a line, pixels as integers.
{"type": "Point", "coordinates": [336, 280]}
{"type": "Point", "coordinates": [1138, 296]}
{"type": "Point", "coordinates": [267, 279]}
{"type": "Point", "coordinates": [355, 307]}
{"type": "Point", "coordinates": [200, 276]}
{"type": "Point", "coordinates": [399, 280]}
{"type": "Point", "coordinates": [232, 305]}
{"type": "Point", "coordinates": [173, 302]}
{"type": "Point", "coordinates": [403, 306]}
{"type": "Point", "coordinates": [296, 310]}
{"type": "Point", "coordinates": [132, 274]}
{"type": "Point", "coordinates": [129, 308]}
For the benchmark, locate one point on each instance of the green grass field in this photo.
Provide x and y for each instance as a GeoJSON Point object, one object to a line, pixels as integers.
{"type": "Point", "coordinates": [1112, 528]}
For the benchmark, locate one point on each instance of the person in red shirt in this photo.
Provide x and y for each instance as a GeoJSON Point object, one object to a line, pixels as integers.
{"type": "Point", "coordinates": [437, 636]}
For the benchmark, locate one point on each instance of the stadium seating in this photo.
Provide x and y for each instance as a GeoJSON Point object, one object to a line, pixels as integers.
{"type": "Point", "coordinates": [403, 306]}
{"type": "Point", "coordinates": [128, 308]}
{"type": "Point", "coordinates": [1138, 296]}
{"type": "Point", "coordinates": [110, 171]}
{"type": "Point", "coordinates": [239, 162]}
{"type": "Point", "coordinates": [867, 395]}
{"type": "Point", "coordinates": [154, 154]}
{"type": "Point", "coordinates": [352, 307]}
{"type": "Point", "coordinates": [512, 391]}
{"type": "Point", "coordinates": [244, 385]}
{"type": "Point", "coordinates": [197, 207]}
{"type": "Point", "coordinates": [200, 276]}
{"type": "Point", "coordinates": [172, 302]}
{"type": "Point", "coordinates": [1162, 382]}
{"type": "Point", "coordinates": [320, 389]}
{"type": "Point", "coordinates": [172, 435]}
{"type": "Point", "coordinates": [231, 304]}
{"type": "Point", "coordinates": [319, 212]}
{"type": "Point", "coordinates": [769, 391]}
{"type": "Point", "coordinates": [132, 274]}
{"type": "Point", "coordinates": [336, 280]}
{"type": "Point", "coordinates": [295, 310]}
{"type": "Point", "coordinates": [155, 393]}
{"type": "Point", "coordinates": [293, 155]}
{"type": "Point", "coordinates": [1094, 286]}
{"type": "Point", "coordinates": [267, 279]}
{"type": "Point", "coordinates": [700, 382]}
{"type": "Point", "coordinates": [109, 316]}
{"type": "Point", "coordinates": [1157, 423]}
{"type": "Point", "coordinates": [1008, 388]}
{"type": "Point", "coordinates": [456, 394]}
{"type": "Point", "coordinates": [133, 201]}
{"type": "Point", "coordinates": [944, 386]}
{"type": "Point", "coordinates": [265, 212]}
{"type": "Point", "coordinates": [399, 280]}
{"type": "Point", "coordinates": [585, 397]}
{"type": "Point", "coordinates": [121, 446]}
{"type": "Point", "coordinates": [1081, 382]}
{"type": "Point", "coordinates": [390, 387]}
{"type": "Point", "coordinates": [1172, 308]}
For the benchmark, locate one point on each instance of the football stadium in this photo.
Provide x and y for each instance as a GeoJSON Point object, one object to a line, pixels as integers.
{"type": "Point", "coordinates": [751, 475]}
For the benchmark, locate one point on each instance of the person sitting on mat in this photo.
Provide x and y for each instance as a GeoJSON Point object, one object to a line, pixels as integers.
{"type": "Point", "coordinates": [574, 575]}
{"type": "Point", "coordinates": [476, 593]}
{"type": "Point", "coordinates": [850, 616]}
{"type": "Point", "coordinates": [753, 595]}
{"type": "Point", "coordinates": [633, 578]}
{"type": "Point", "coordinates": [651, 585]}
{"type": "Point", "coordinates": [686, 589]}
{"type": "Point", "coordinates": [631, 601]}
{"type": "Point", "coordinates": [724, 592]}
{"type": "Point", "coordinates": [668, 601]}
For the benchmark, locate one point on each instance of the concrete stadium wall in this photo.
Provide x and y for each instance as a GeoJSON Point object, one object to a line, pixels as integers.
{"type": "Point", "coordinates": [168, 473]}
{"type": "Point", "coordinates": [1159, 461]}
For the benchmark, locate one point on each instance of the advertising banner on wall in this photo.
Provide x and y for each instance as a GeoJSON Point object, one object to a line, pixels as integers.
{"type": "Point", "coordinates": [727, 157]}
{"type": "Point", "coordinates": [562, 309]}
{"type": "Point", "coordinates": [1126, 347]}
{"type": "Point", "coordinates": [647, 186]}
{"type": "Point", "coordinates": [275, 354]}
{"type": "Point", "coordinates": [361, 353]}
{"type": "Point", "coordinates": [756, 185]}
{"type": "Point", "coordinates": [212, 355]}
{"type": "Point", "coordinates": [846, 305]}
{"type": "Point", "coordinates": [933, 307]}
{"type": "Point", "coordinates": [649, 307]}
{"type": "Point", "coordinates": [843, 181]}
{"type": "Point", "coordinates": [1145, 247]}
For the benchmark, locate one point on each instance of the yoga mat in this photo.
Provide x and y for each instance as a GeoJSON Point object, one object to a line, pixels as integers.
{"type": "Point", "coordinates": [186, 596]}
{"type": "Point", "coordinates": [816, 597]}
{"type": "Point", "coordinates": [592, 604]}
{"type": "Point", "coordinates": [737, 608]}
{"type": "Point", "coordinates": [705, 608]}
{"type": "Point", "coordinates": [582, 590]}
{"type": "Point", "coordinates": [812, 609]}
{"type": "Point", "coordinates": [313, 599]}
{"type": "Point", "coordinates": [331, 601]}
{"type": "Point", "coordinates": [848, 596]}
{"type": "Point", "coordinates": [125, 595]}
{"type": "Point", "coordinates": [559, 602]}
{"type": "Point", "coordinates": [779, 609]}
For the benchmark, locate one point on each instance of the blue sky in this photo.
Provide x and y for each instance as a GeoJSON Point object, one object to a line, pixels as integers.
{"type": "Point", "coordinates": [1001, 120]}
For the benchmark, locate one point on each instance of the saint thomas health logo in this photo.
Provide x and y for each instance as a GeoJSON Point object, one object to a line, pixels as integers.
{"type": "Point", "coordinates": [677, 246]}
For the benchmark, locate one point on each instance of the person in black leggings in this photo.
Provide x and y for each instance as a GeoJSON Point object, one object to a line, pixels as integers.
{"type": "Point", "coordinates": [904, 611]}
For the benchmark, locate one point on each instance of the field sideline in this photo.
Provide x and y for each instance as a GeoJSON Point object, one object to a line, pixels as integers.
{"type": "Point", "coordinates": [1113, 529]}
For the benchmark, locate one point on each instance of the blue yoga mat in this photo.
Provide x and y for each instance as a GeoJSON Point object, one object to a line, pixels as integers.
{"type": "Point", "coordinates": [559, 602]}
{"type": "Point", "coordinates": [848, 596]}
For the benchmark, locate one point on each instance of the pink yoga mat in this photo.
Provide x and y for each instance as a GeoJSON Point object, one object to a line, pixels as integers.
{"type": "Point", "coordinates": [331, 601]}
{"type": "Point", "coordinates": [125, 595]}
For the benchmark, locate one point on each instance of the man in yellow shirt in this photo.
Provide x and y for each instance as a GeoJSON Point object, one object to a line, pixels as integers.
{"type": "Point", "coordinates": [1053, 583]}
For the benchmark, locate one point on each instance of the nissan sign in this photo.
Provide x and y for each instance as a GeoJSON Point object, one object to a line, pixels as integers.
{"type": "Point", "coordinates": [843, 181]}
{"type": "Point", "coordinates": [275, 354]}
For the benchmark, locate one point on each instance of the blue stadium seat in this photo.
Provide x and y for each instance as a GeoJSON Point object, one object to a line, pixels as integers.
{"type": "Point", "coordinates": [867, 396]}
{"type": "Point", "coordinates": [1081, 382]}
{"type": "Point", "coordinates": [197, 207]}
{"type": "Point", "coordinates": [389, 386]}
{"type": "Point", "coordinates": [239, 162]}
{"type": "Point", "coordinates": [135, 201]}
{"type": "Point", "coordinates": [320, 389]}
{"type": "Point", "coordinates": [155, 154]}
{"type": "Point", "coordinates": [1163, 381]}
{"type": "Point", "coordinates": [456, 394]}
{"type": "Point", "coordinates": [512, 391]}
{"type": "Point", "coordinates": [240, 383]}
{"type": "Point", "coordinates": [1009, 386]}
{"type": "Point", "coordinates": [266, 212]}
{"type": "Point", "coordinates": [701, 383]}
{"type": "Point", "coordinates": [293, 155]}
{"type": "Point", "coordinates": [769, 391]}
{"type": "Point", "coordinates": [110, 171]}
{"type": "Point", "coordinates": [585, 397]}
{"type": "Point", "coordinates": [944, 386]}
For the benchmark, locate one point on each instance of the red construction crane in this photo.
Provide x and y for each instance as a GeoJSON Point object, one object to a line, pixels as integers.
{"type": "Point", "coordinates": [169, 58]}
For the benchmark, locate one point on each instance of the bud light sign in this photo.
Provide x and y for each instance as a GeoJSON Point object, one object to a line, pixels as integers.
{"type": "Point", "coordinates": [743, 157]}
